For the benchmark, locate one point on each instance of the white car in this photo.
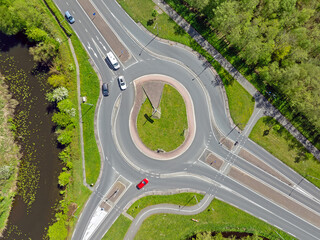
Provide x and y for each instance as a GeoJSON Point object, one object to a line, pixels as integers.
{"type": "Point", "coordinates": [122, 83]}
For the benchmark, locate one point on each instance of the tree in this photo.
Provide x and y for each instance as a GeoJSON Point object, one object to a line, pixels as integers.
{"type": "Point", "coordinates": [36, 35]}
{"type": "Point", "coordinates": [57, 80]}
{"type": "Point", "coordinates": [58, 94]}
{"type": "Point", "coordinates": [45, 52]}
{"type": "Point", "coordinates": [62, 119]}
{"type": "Point", "coordinates": [65, 136]}
{"type": "Point", "coordinates": [66, 106]}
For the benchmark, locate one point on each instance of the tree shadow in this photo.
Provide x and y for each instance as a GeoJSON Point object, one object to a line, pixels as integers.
{"type": "Point", "coordinates": [179, 30]}
{"type": "Point", "coordinates": [150, 22]}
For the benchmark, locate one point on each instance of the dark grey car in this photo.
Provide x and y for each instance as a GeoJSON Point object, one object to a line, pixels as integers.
{"type": "Point", "coordinates": [105, 89]}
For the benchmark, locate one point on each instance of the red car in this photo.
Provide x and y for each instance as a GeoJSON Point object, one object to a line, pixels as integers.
{"type": "Point", "coordinates": [142, 183]}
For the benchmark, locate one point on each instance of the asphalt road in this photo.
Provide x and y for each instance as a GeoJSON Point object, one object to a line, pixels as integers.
{"type": "Point", "coordinates": [121, 157]}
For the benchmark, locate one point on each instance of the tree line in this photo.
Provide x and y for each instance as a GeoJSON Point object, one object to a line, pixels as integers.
{"type": "Point", "coordinates": [278, 39]}
{"type": "Point", "coordinates": [28, 17]}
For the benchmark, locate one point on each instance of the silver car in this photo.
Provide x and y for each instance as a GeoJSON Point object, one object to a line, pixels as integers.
{"type": "Point", "coordinates": [122, 83]}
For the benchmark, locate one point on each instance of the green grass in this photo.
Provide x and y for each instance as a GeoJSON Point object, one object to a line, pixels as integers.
{"type": "Point", "coordinates": [219, 217]}
{"type": "Point", "coordinates": [166, 133]}
{"type": "Point", "coordinates": [119, 229]}
{"type": "Point", "coordinates": [224, 218]}
{"type": "Point", "coordinates": [286, 148]}
{"type": "Point", "coordinates": [90, 87]}
{"type": "Point", "coordinates": [168, 29]}
{"type": "Point", "coordinates": [183, 199]}
{"type": "Point", "coordinates": [122, 224]}
{"type": "Point", "coordinates": [241, 103]}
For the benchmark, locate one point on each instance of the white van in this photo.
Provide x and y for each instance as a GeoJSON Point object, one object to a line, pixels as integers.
{"type": "Point", "coordinates": [112, 59]}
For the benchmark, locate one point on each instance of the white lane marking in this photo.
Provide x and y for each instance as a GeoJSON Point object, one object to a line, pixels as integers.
{"type": "Point", "coordinates": [102, 55]}
{"type": "Point", "coordinates": [90, 48]}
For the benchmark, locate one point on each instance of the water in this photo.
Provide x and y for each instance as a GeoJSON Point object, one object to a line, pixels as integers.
{"type": "Point", "coordinates": [33, 207]}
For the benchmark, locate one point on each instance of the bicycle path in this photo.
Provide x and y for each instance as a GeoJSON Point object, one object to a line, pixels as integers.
{"type": "Point", "coordinates": [166, 208]}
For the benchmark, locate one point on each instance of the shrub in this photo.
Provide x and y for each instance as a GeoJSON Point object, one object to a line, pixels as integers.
{"type": "Point", "coordinates": [5, 172]}
{"type": "Point", "coordinates": [57, 80]}
{"type": "Point", "coordinates": [67, 107]}
{"type": "Point", "coordinates": [58, 230]}
{"type": "Point", "coordinates": [36, 35]}
{"type": "Point", "coordinates": [45, 51]}
{"type": "Point", "coordinates": [65, 136]}
{"type": "Point", "coordinates": [64, 178]}
{"type": "Point", "coordinates": [58, 94]}
{"type": "Point", "coordinates": [65, 155]}
{"type": "Point", "coordinates": [62, 119]}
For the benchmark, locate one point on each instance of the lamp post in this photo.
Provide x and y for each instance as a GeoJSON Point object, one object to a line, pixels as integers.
{"type": "Point", "coordinates": [91, 105]}
{"type": "Point", "coordinates": [229, 133]}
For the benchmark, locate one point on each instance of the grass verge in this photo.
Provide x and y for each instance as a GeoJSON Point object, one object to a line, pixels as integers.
{"type": "Point", "coordinates": [166, 133]}
{"type": "Point", "coordinates": [183, 199]}
{"type": "Point", "coordinates": [166, 28]}
{"type": "Point", "coordinates": [118, 230]}
{"type": "Point", "coordinates": [122, 224]}
{"type": "Point", "coordinates": [218, 217]}
{"type": "Point", "coordinates": [280, 143]}
{"type": "Point", "coordinates": [90, 87]}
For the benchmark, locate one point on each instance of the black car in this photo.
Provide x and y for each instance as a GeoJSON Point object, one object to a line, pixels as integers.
{"type": "Point", "coordinates": [105, 89]}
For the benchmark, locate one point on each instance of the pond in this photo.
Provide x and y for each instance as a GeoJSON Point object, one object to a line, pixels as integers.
{"type": "Point", "coordinates": [38, 192]}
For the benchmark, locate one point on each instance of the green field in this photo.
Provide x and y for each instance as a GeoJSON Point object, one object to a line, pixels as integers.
{"type": "Point", "coordinates": [166, 133]}
{"type": "Point", "coordinates": [183, 199]}
{"type": "Point", "coordinates": [218, 217]}
{"type": "Point", "coordinates": [118, 229]}
{"type": "Point", "coordinates": [286, 148]}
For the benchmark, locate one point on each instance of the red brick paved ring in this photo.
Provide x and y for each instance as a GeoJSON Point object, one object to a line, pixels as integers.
{"type": "Point", "coordinates": [136, 108]}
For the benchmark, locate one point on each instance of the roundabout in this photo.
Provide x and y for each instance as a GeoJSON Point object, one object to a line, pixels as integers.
{"type": "Point", "coordinates": [201, 162]}
{"type": "Point", "coordinates": [154, 93]}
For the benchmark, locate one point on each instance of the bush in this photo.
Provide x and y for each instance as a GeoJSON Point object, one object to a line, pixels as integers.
{"type": "Point", "coordinates": [69, 165]}
{"type": "Point", "coordinates": [45, 51]}
{"type": "Point", "coordinates": [58, 94]}
{"type": "Point", "coordinates": [57, 80]}
{"type": "Point", "coordinates": [66, 106]}
{"type": "Point", "coordinates": [5, 172]}
{"type": "Point", "coordinates": [58, 230]}
{"type": "Point", "coordinates": [62, 119]}
{"type": "Point", "coordinates": [65, 136]}
{"type": "Point", "coordinates": [64, 178]}
{"type": "Point", "coordinates": [36, 35]}
{"type": "Point", "coordinates": [65, 155]}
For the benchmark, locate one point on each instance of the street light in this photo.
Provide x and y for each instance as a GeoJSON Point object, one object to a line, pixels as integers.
{"type": "Point", "coordinates": [220, 142]}
{"type": "Point", "coordinates": [91, 105]}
